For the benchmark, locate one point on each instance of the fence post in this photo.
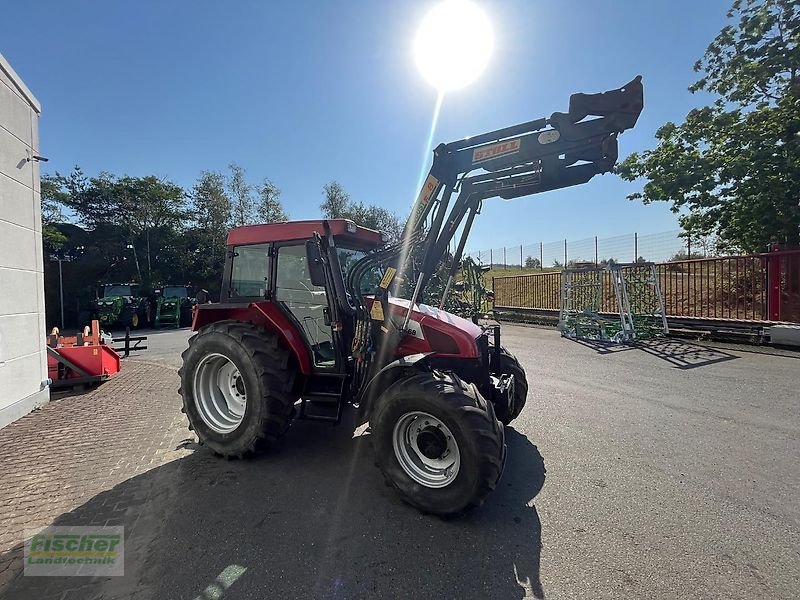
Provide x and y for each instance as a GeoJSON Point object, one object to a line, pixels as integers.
{"type": "Point", "coordinates": [521, 260]}
{"type": "Point", "coordinates": [505, 264]}
{"type": "Point", "coordinates": [635, 246]}
{"type": "Point", "coordinates": [565, 254]}
{"type": "Point", "coordinates": [541, 256]}
{"type": "Point", "coordinates": [774, 284]}
{"type": "Point", "coordinates": [491, 258]}
{"type": "Point", "coordinates": [596, 262]}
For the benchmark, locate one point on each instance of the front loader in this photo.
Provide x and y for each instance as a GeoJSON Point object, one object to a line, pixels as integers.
{"type": "Point", "coordinates": [311, 317]}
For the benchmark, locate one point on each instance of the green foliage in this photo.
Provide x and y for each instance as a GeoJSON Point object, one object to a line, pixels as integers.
{"type": "Point", "coordinates": [145, 212]}
{"type": "Point", "coordinates": [533, 263]}
{"type": "Point", "coordinates": [270, 209]}
{"type": "Point", "coordinates": [739, 288]}
{"type": "Point", "coordinates": [683, 255]}
{"type": "Point", "coordinates": [243, 206]}
{"type": "Point", "coordinates": [338, 205]}
{"type": "Point", "coordinates": [731, 169]}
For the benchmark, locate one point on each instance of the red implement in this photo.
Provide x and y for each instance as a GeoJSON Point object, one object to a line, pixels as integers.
{"type": "Point", "coordinates": [80, 359]}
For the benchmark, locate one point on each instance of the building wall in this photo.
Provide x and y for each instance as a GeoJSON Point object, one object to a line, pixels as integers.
{"type": "Point", "coordinates": [23, 357]}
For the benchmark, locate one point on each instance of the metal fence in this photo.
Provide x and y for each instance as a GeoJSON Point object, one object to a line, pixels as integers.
{"type": "Point", "coordinates": [759, 287]}
{"type": "Point", "coordinates": [653, 247]}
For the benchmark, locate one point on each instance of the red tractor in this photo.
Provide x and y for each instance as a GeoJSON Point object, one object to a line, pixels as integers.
{"type": "Point", "coordinates": [310, 319]}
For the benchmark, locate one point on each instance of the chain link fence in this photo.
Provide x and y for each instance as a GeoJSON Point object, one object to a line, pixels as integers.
{"type": "Point", "coordinates": [631, 247]}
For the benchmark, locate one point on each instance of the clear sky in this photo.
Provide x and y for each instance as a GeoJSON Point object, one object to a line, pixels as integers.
{"type": "Point", "coordinates": [306, 92]}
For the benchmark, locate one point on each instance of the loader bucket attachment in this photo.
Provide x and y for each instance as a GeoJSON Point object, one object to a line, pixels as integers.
{"type": "Point", "coordinates": [623, 106]}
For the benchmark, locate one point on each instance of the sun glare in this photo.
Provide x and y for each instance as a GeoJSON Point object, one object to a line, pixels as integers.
{"type": "Point", "coordinates": [453, 44]}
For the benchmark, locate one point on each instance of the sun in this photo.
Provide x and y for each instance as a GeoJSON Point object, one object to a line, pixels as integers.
{"type": "Point", "coordinates": [454, 44]}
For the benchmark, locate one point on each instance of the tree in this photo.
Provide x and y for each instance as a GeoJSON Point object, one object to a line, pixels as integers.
{"type": "Point", "coordinates": [211, 206]}
{"type": "Point", "coordinates": [338, 205]}
{"type": "Point", "coordinates": [243, 208]}
{"type": "Point", "coordinates": [733, 166]}
{"type": "Point", "coordinates": [683, 255]}
{"type": "Point", "coordinates": [145, 212]}
{"type": "Point", "coordinates": [202, 246]}
{"type": "Point", "coordinates": [533, 263]}
{"type": "Point", "coordinates": [337, 201]}
{"type": "Point", "coordinates": [52, 214]}
{"type": "Point", "coordinates": [270, 209]}
{"type": "Point", "coordinates": [152, 208]}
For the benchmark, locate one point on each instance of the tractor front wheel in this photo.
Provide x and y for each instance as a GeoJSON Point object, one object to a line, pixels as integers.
{"type": "Point", "coordinates": [437, 442]}
{"type": "Point", "coordinates": [237, 383]}
{"type": "Point", "coordinates": [509, 365]}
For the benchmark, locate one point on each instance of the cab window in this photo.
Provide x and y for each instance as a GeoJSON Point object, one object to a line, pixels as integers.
{"type": "Point", "coordinates": [250, 271]}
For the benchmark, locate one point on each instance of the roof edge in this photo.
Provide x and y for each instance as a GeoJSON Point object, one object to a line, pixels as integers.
{"type": "Point", "coordinates": [20, 85]}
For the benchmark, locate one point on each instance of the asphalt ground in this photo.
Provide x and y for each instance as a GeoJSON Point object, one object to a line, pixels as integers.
{"type": "Point", "coordinates": [665, 470]}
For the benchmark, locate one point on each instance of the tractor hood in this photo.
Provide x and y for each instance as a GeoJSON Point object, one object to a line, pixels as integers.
{"type": "Point", "coordinates": [434, 330]}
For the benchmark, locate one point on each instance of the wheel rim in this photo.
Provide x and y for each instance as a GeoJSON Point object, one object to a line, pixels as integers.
{"type": "Point", "coordinates": [135, 320]}
{"type": "Point", "coordinates": [219, 393]}
{"type": "Point", "coordinates": [426, 449]}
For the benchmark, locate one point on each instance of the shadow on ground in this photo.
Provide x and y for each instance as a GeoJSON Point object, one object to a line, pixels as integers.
{"type": "Point", "coordinates": [679, 353]}
{"type": "Point", "coordinates": [312, 519]}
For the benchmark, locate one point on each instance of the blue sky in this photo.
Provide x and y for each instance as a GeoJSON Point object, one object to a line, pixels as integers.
{"type": "Point", "coordinates": [307, 92]}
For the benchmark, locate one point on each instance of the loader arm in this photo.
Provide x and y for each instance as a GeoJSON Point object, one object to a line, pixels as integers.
{"type": "Point", "coordinates": [538, 156]}
{"type": "Point", "coordinates": [561, 151]}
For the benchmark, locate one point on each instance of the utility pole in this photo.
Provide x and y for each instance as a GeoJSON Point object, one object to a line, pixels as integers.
{"type": "Point", "coordinates": [541, 256]}
{"type": "Point", "coordinates": [61, 292]}
{"type": "Point", "coordinates": [596, 262]}
{"type": "Point", "coordinates": [61, 259]}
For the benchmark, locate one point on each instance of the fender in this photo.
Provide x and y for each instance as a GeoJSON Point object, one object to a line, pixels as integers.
{"type": "Point", "coordinates": [265, 314]}
{"type": "Point", "coordinates": [366, 400]}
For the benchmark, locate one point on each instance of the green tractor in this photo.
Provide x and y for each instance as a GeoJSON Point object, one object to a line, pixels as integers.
{"type": "Point", "coordinates": [174, 306]}
{"type": "Point", "coordinates": [121, 305]}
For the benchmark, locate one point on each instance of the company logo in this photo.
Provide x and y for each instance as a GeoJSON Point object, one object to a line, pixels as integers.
{"type": "Point", "coordinates": [66, 551]}
{"type": "Point", "coordinates": [426, 193]}
{"type": "Point", "coordinates": [495, 150]}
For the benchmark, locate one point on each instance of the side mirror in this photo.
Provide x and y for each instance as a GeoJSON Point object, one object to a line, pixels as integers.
{"type": "Point", "coordinates": [316, 269]}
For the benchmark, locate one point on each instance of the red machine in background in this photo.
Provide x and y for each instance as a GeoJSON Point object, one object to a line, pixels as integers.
{"type": "Point", "coordinates": [81, 359]}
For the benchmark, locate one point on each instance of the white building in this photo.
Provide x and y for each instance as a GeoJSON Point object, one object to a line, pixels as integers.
{"type": "Point", "coordinates": [23, 357]}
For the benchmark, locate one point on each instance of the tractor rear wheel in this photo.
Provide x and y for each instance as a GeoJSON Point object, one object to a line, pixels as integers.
{"type": "Point", "coordinates": [237, 383]}
{"type": "Point", "coordinates": [438, 443]}
{"type": "Point", "coordinates": [508, 364]}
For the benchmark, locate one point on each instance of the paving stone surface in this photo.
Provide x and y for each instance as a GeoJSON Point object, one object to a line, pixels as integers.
{"type": "Point", "coordinates": [76, 449]}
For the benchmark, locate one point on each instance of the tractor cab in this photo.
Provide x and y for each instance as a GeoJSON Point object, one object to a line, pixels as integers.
{"type": "Point", "coordinates": [174, 291]}
{"type": "Point", "coordinates": [122, 290]}
{"type": "Point", "coordinates": [276, 267]}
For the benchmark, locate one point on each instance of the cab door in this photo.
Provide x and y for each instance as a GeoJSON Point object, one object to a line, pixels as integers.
{"type": "Point", "coordinates": [307, 303]}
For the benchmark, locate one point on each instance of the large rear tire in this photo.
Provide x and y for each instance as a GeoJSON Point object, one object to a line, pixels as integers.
{"type": "Point", "coordinates": [237, 383]}
{"type": "Point", "coordinates": [438, 443]}
{"type": "Point", "coordinates": [508, 364]}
